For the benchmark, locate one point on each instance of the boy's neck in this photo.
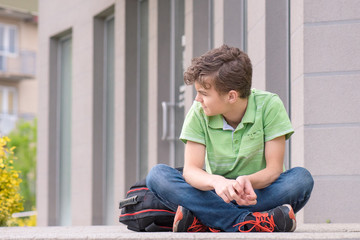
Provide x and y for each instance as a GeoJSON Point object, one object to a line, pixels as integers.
{"type": "Point", "coordinates": [237, 112]}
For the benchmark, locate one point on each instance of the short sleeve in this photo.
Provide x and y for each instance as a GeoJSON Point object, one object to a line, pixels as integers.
{"type": "Point", "coordinates": [193, 127]}
{"type": "Point", "coordinates": [276, 120]}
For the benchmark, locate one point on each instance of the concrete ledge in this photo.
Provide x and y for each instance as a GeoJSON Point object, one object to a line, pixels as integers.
{"type": "Point", "coordinates": [305, 231]}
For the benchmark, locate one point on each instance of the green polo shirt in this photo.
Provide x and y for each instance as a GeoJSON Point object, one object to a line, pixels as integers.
{"type": "Point", "coordinates": [235, 152]}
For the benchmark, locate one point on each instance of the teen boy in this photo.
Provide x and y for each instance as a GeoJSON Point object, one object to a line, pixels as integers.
{"type": "Point", "coordinates": [239, 134]}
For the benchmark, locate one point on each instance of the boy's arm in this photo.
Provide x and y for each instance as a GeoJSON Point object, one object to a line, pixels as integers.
{"type": "Point", "coordinates": [239, 190]}
{"type": "Point", "coordinates": [193, 167]}
{"type": "Point", "coordinates": [274, 155]}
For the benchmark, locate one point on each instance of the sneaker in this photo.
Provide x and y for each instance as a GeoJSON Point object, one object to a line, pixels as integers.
{"type": "Point", "coordinates": [185, 221]}
{"type": "Point", "coordinates": [279, 219]}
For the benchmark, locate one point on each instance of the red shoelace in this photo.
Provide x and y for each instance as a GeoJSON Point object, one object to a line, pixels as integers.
{"type": "Point", "coordinates": [262, 223]}
{"type": "Point", "coordinates": [197, 226]}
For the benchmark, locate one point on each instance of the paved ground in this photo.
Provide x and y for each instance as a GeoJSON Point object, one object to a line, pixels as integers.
{"type": "Point", "coordinates": [305, 231]}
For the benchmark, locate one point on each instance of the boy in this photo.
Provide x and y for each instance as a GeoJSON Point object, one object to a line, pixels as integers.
{"type": "Point", "coordinates": [239, 134]}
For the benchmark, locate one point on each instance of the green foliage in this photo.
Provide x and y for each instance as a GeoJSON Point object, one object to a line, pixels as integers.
{"type": "Point", "coordinates": [10, 199]}
{"type": "Point", "coordinates": [24, 139]}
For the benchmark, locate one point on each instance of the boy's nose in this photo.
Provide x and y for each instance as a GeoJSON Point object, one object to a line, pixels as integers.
{"type": "Point", "coordinates": [198, 98]}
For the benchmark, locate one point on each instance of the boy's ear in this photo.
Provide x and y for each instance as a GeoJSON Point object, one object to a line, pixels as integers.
{"type": "Point", "coordinates": [233, 96]}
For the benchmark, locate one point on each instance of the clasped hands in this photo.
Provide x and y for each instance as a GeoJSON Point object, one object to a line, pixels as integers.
{"type": "Point", "coordinates": [239, 190]}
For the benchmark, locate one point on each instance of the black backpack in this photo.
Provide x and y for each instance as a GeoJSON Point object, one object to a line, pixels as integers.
{"type": "Point", "coordinates": [143, 212]}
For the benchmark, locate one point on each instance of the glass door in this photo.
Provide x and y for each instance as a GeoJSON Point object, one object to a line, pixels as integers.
{"type": "Point", "coordinates": [173, 110]}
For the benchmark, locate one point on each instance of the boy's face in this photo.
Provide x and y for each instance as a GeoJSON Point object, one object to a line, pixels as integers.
{"type": "Point", "coordinates": [211, 101]}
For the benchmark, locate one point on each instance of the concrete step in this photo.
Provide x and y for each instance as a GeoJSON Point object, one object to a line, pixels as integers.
{"type": "Point", "coordinates": [304, 231]}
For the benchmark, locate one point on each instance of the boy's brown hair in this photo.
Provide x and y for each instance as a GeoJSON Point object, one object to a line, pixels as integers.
{"type": "Point", "coordinates": [229, 67]}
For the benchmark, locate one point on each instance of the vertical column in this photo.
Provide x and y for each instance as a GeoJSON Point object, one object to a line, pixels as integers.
{"type": "Point", "coordinates": [297, 86]}
{"type": "Point", "coordinates": [82, 128]}
{"type": "Point", "coordinates": [43, 184]}
{"type": "Point", "coordinates": [256, 41]}
{"type": "Point", "coordinates": [297, 81]}
{"type": "Point", "coordinates": [47, 160]}
{"type": "Point", "coordinates": [218, 23]}
{"type": "Point", "coordinates": [119, 136]}
{"type": "Point", "coordinates": [229, 23]}
{"type": "Point", "coordinates": [188, 51]}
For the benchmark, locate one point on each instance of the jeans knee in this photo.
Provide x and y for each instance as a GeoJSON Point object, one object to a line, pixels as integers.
{"type": "Point", "coordinates": [305, 179]}
{"type": "Point", "coordinates": [154, 175]}
{"type": "Point", "coordinates": [161, 177]}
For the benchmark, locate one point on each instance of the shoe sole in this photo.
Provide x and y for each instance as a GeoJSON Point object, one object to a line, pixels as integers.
{"type": "Point", "coordinates": [178, 217]}
{"type": "Point", "coordinates": [292, 217]}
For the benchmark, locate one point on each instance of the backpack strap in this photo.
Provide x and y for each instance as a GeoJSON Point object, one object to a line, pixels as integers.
{"type": "Point", "coordinates": [130, 201]}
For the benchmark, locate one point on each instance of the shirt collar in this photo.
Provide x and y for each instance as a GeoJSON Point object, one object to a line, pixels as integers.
{"type": "Point", "coordinates": [217, 121]}
{"type": "Point", "coordinates": [249, 116]}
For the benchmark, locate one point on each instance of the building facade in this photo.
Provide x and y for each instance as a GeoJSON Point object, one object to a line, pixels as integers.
{"type": "Point", "coordinates": [112, 98]}
{"type": "Point", "coordinates": [18, 47]}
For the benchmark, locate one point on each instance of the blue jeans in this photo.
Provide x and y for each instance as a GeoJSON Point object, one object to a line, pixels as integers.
{"type": "Point", "coordinates": [292, 187]}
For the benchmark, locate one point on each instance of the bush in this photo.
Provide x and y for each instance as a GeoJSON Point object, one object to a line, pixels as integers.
{"type": "Point", "coordinates": [10, 199]}
{"type": "Point", "coordinates": [24, 138]}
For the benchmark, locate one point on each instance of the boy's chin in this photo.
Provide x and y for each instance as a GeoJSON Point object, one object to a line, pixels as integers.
{"type": "Point", "coordinates": [209, 114]}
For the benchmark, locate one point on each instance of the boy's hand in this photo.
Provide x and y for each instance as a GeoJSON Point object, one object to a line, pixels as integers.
{"type": "Point", "coordinates": [239, 190]}
{"type": "Point", "coordinates": [248, 196]}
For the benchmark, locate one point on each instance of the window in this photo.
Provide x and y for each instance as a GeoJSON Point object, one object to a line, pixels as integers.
{"type": "Point", "coordinates": [8, 43]}
{"type": "Point", "coordinates": [142, 88]}
{"type": "Point", "coordinates": [109, 129]}
{"type": "Point", "coordinates": [103, 118]}
{"type": "Point", "coordinates": [277, 62]}
{"type": "Point", "coordinates": [64, 128]}
{"type": "Point", "coordinates": [8, 100]}
{"type": "Point", "coordinates": [8, 39]}
{"type": "Point", "coordinates": [8, 109]}
{"type": "Point", "coordinates": [177, 81]}
{"type": "Point", "coordinates": [12, 40]}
